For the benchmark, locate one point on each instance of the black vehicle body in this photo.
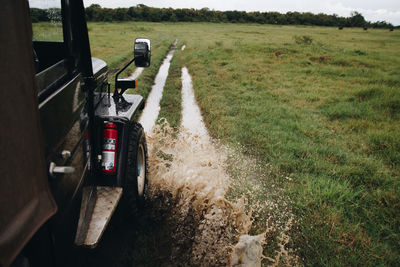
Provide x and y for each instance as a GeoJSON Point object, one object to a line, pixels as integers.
{"type": "Point", "coordinates": [53, 149]}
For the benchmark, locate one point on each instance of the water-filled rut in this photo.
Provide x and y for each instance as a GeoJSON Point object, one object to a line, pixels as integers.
{"type": "Point", "coordinates": [152, 108]}
{"type": "Point", "coordinates": [188, 174]}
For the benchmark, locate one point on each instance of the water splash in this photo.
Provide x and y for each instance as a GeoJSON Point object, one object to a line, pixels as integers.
{"type": "Point", "coordinates": [248, 251]}
{"type": "Point", "coordinates": [272, 211]}
{"type": "Point", "coordinates": [188, 175]}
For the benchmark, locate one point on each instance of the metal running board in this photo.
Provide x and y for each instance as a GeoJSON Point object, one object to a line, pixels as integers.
{"type": "Point", "coordinates": [98, 205]}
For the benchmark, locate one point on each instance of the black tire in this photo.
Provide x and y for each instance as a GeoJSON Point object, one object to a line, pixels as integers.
{"type": "Point", "coordinates": [137, 168]}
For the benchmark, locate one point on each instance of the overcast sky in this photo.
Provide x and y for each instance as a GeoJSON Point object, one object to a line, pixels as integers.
{"type": "Point", "coordinates": [372, 10]}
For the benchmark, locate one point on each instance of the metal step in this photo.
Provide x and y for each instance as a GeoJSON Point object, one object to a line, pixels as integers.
{"type": "Point", "coordinates": [97, 207]}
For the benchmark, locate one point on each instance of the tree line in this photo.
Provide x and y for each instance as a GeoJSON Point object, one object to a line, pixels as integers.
{"type": "Point", "coordinates": [144, 13]}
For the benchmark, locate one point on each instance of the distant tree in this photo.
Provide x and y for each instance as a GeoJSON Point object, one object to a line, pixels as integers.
{"type": "Point", "coordinates": [357, 20]}
{"type": "Point", "coordinates": [173, 18]}
{"type": "Point", "coordinates": [294, 18]}
{"type": "Point", "coordinates": [93, 12]}
{"type": "Point", "coordinates": [155, 14]}
{"type": "Point", "coordinates": [94, 6]}
{"type": "Point", "coordinates": [120, 14]}
{"type": "Point", "coordinates": [38, 15]}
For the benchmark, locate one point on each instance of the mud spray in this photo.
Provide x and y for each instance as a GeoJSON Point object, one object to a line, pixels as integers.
{"type": "Point", "coordinates": [188, 177]}
{"type": "Point", "coordinates": [188, 181]}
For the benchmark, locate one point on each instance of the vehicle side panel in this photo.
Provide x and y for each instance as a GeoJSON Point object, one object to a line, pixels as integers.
{"type": "Point", "coordinates": [64, 123]}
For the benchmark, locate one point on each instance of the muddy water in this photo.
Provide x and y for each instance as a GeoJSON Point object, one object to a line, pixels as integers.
{"type": "Point", "coordinates": [192, 120]}
{"type": "Point", "coordinates": [152, 108]}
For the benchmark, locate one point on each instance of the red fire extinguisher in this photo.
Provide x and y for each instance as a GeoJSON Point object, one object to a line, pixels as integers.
{"type": "Point", "coordinates": [109, 155]}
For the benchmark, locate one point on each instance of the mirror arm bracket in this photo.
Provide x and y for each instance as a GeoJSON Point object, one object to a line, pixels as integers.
{"type": "Point", "coordinates": [119, 72]}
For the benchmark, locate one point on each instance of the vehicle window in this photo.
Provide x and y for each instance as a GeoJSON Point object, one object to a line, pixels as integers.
{"type": "Point", "coordinates": [46, 20]}
{"type": "Point", "coordinates": [49, 48]}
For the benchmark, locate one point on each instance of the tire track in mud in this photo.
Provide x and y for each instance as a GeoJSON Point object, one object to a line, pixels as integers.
{"type": "Point", "coordinates": [152, 107]}
{"type": "Point", "coordinates": [189, 174]}
{"type": "Point", "coordinates": [192, 120]}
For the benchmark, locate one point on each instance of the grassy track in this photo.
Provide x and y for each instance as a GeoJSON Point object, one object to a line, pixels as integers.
{"type": "Point", "coordinates": [171, 108]}
{"type": "Point", "coordinates": [317, 105]}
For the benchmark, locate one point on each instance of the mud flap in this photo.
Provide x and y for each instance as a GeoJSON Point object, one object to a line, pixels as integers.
{"type": "Point", "coordinates": [98, 205]}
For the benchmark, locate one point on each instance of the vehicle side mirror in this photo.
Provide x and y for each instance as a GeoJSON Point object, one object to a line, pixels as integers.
{"type": "Point", "coordinates": [142, 52]}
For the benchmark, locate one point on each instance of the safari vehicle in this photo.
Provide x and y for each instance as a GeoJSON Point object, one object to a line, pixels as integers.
{"type": "Point", "coordinates": [70, 150]}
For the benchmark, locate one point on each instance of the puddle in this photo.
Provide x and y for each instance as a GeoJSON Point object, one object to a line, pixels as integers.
{"type": "Point", "coordinates": [152, 107]}
{"type": "Point", "coordinates": [191, 116]}
{"type": "Point", "coordinates": [136, 73]}
{"type": "Point", "coordinates": [183, 47]}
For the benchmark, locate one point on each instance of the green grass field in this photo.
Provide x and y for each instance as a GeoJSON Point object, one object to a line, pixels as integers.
{"type": "Point", "coordinates": [317, 105]}
{"type": "Point", "coordinates": [324, 113]}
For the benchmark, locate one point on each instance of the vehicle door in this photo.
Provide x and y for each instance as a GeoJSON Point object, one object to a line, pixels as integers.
{"type": "Point", "coordinates": [63, 115]}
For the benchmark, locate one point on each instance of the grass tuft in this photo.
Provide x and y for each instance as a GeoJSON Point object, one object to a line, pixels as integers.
{"type": "Point", "coordinates": [305, 39]}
